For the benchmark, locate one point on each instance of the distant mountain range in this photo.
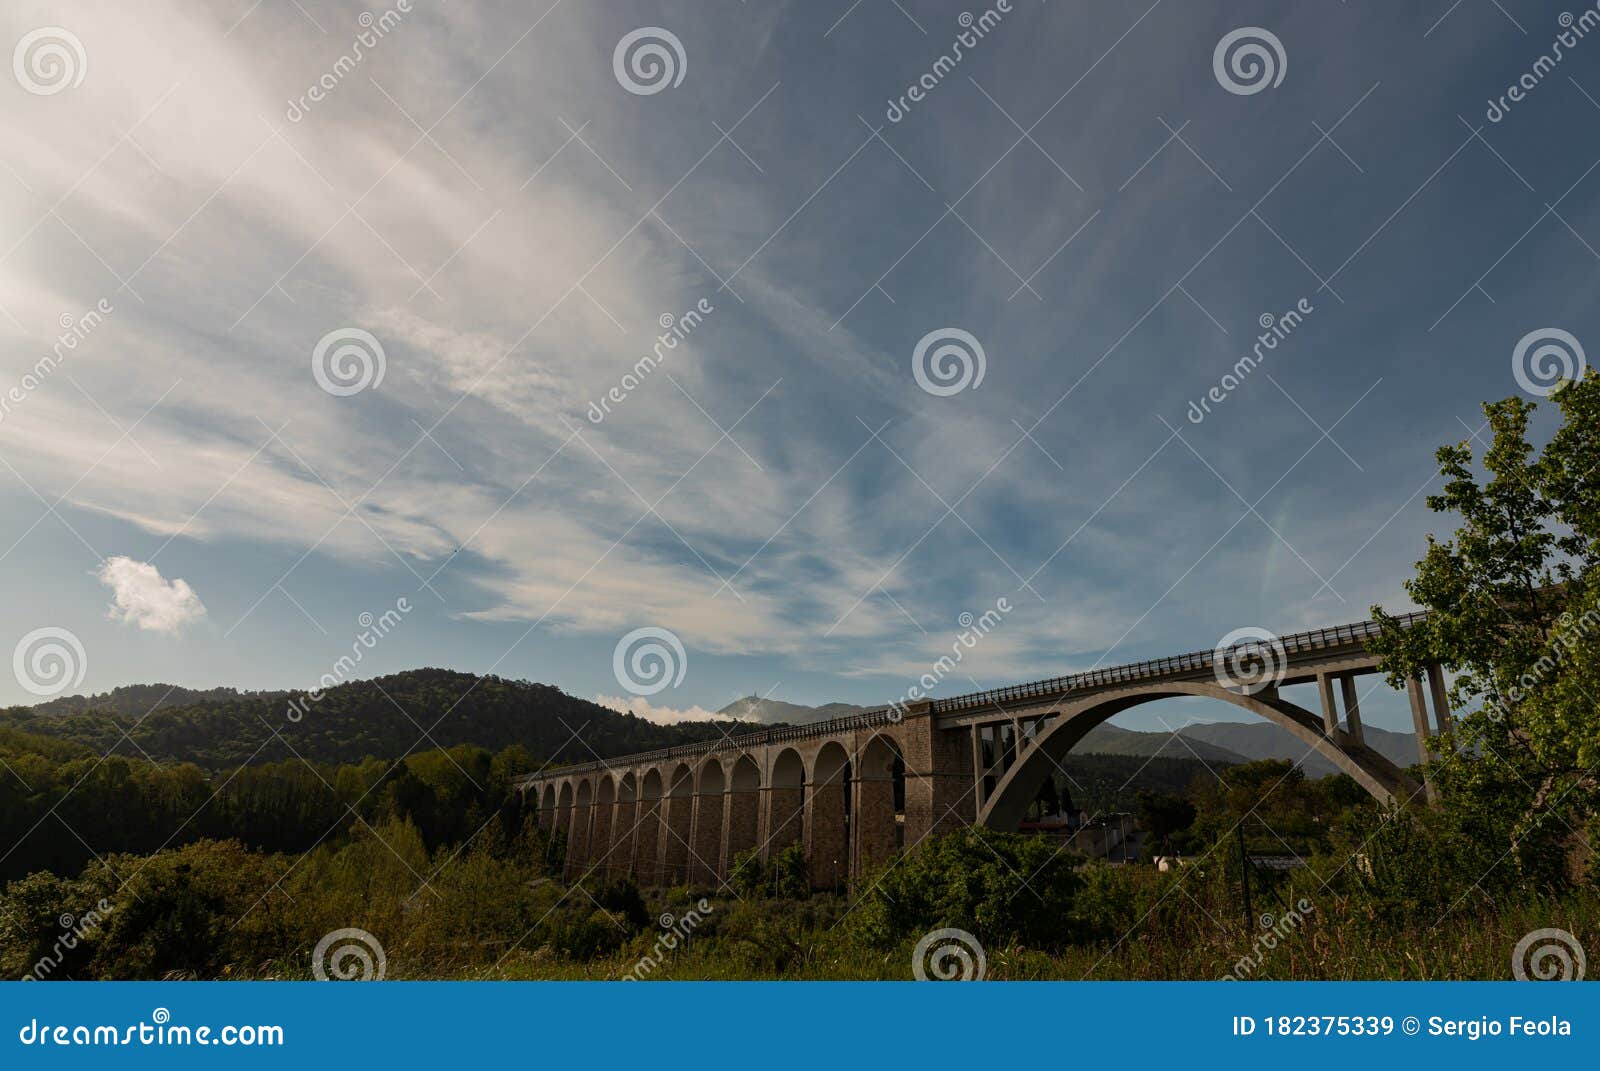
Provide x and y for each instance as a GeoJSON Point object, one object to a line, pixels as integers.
{"type": "Point", "coordinates": [1223, 742]}
{"type": "Point", "coordinates": [221, 728]}
{"type": "Point", "coordinates": [385, 718]}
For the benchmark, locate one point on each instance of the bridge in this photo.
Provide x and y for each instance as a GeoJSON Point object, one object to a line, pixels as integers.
{"type": "Point", "coordinates": [855, 790]}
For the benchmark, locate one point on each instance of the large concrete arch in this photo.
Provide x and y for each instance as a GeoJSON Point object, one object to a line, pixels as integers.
{"type": "Point", "coordinates": [1069, 724]}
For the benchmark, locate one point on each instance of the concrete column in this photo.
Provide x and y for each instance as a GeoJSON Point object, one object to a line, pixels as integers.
{"type": "Point", "coordinates": [1352, 709]}
{"type": "Point", "coordinates": [1419, 723]}
{"type": "Point", "coordinates": [977, 767]}
{"type": "Point", "coordinates": [1330, 709]}
{"type": "Point", "coordinates": [1441, 699]}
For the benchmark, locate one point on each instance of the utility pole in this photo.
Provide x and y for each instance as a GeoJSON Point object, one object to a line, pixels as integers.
{"type": "Point", "coordinates": [1244, 877]}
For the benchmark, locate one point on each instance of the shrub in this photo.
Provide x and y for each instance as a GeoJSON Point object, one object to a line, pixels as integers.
{"type": "Point", "coordinates": [1000, 886]}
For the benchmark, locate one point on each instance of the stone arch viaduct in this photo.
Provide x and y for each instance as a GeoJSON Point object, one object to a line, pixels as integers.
{"type": "Point", "coordinates": [855, 790]}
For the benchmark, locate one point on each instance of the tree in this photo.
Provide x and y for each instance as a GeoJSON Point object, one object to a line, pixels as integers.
{"type": "Point", "coordinates": [1512, 615]}
{"type": "Point", "coordinates": [1162, 815]}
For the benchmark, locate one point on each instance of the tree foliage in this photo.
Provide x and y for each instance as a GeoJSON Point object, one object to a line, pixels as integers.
{"type": "Point", "coordinates": [1513, 617]}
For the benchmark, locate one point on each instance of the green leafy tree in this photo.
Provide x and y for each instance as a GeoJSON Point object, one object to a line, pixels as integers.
{"type": "Point", "coordinates": [1513, 618]}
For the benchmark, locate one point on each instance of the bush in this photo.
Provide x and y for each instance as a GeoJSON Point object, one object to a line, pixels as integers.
{"type": "Point", "coordinates": [783, 876]}
{"type": "Point", "coordinates": [1002, 887]}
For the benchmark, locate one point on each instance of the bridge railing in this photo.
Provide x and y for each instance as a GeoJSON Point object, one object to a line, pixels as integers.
{"type": "Point", "coordinates": [1131, 672]}
{"type": "Point", "coordinates": [1194, 661]}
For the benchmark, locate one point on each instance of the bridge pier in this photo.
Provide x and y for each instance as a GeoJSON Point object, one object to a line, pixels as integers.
{"type": "Point", "coordinates": [1419, 720]}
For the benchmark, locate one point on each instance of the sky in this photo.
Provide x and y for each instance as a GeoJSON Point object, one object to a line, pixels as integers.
{"type": "Point", "coordinates": [306, 336]}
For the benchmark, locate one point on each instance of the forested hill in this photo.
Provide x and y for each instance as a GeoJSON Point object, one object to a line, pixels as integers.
{"type": "Point", "coordinates": [382, 718]}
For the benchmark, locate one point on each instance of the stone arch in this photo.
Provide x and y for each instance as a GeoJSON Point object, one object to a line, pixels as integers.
{"type": "Point", "coordinates": [880, 802]}
{"type": "Point", "coordinates": [786, 800]}
{"type": "Point", "coordinates": [677, 825]}
{"type": "Point", "coordinates": [624, 824]}
{"type": "Point", "coordinates": [605, 799]}
{"type": "Point", "coordinates": [742, 818]}
{"type": "Point", "coordinates": [828, 817]}
{"type": "Point", "coordinates": [710, 786]}
{"type": "Point", "coordinates": [1017, 788]}
{"type": "Point", "coordinates": [647, 849]}
{"type": "Point", "coordinates": [578, 837]}
{"type": "Point", "coordinates": [563, 816]}
{"type": "Point", "coordinates": [547, 807]}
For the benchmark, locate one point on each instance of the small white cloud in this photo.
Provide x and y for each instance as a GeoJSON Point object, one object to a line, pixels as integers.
{"type": "Point", "coordinates": [145, 598]}
{"type": "Point", "coordinates": [659, 715]}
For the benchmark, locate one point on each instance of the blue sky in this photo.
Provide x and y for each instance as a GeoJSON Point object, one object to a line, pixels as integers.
{"type": "Point", "coordinates": [482, 194]}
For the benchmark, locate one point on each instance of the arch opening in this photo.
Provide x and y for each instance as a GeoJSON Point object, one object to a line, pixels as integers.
{"type": "Point", "coordinates": [880, 807]}
{"type": "Point", "coordinates": [708, 814]}
{"type": "Point", "coordinates": [646, 867]}
{"type": "Point", "coordinates": [1018, 789]}
{"type": "Point", "coordinates": [743, 818]}
{"type": "Point", "coordinates": [600, 824]}
{"type": "Point", "coordinates": [677, 825]}
{"type": "Point", "coordinates": [786, 801]}
{"type": "Point", "coordinates": [828, 817]}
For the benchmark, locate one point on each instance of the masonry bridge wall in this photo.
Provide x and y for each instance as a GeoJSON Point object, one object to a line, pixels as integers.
{"type": "Point", "coordinates": [681, 817]}
{"type": "Point", "coordinates": [855, 790]}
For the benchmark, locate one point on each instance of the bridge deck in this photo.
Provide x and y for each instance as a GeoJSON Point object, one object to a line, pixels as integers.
{"type": "Point", "coordinates": [1302, 651]}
